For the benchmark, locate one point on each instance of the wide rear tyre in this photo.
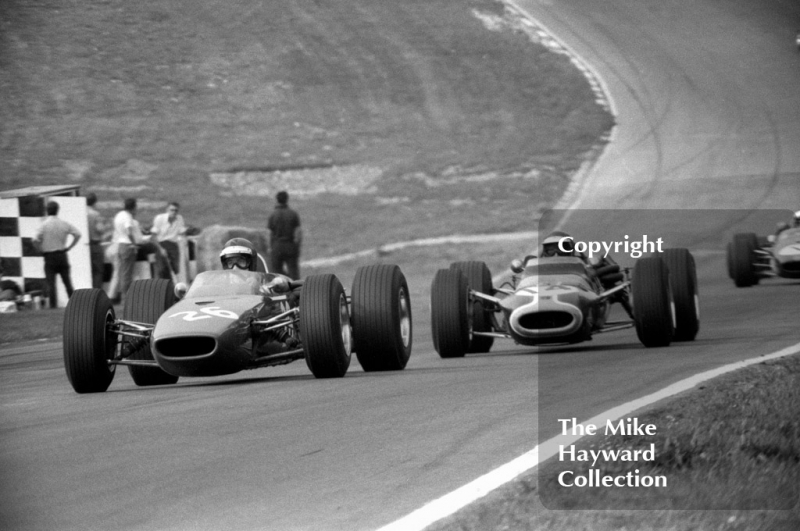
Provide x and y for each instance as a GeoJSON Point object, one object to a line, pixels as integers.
{"type": "Point", "coordinates": [740, 259]}
{"type": "Point", "coordinates": [88, 341]}
{"type": "Point", "coordinates": [685, 293]}
{"type": "Point", "coordinates": [325, 326]}
{"type": "Point", "coordinates": [450, 325]}
{"type": "Point", "coordinates": [145, 302]}
{"type": "Point", "coordinates": [478, 279]}
{"type": "Point", "coordinates": [381, 306]}
{"type": "Point", "coordinates": [652, 302]}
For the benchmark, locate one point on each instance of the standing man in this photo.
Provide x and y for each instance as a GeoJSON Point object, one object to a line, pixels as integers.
{"type": "Point", "coordinates": [51, 238]}
{"type": "Point", "coordinates": [168, 228]}
{"type": "Point", "coordinates": [97, 227]}
{"type": "Point", "coordinates": [127, 236]}
{"type": "Point", "coordinates": [285, 238]}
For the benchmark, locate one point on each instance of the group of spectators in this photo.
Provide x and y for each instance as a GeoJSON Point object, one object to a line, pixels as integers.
{"type": "Point", "coordinates": [53, 241]}
{"type": "Point", "coordinates": [283, 227]}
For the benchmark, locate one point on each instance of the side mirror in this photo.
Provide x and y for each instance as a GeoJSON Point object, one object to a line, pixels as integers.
{"type": "Point", "coordinates": [180, 290]}
{"type": "Point", "coordinates": [771, 238]}
{"type": "Point", "coordinates": [517, 267]}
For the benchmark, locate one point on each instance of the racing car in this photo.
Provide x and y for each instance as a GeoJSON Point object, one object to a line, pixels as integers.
{"type": "Point", "coordinates": [751, 258]}
{"type": "Point", "coordinates": [231, 320]}
{"type": "Point", "coordinates": [561, 300]}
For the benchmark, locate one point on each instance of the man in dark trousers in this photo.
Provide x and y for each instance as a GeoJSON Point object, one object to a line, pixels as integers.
{"type": "Point", "coordinates": [51, 238]}
{"type": "Point", "coordinates": [285, 238]}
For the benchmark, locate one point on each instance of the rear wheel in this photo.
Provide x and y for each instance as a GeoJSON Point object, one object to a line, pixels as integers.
{"type": "Point", "coordinates": [88, 341]}
{"type": "Point", "coordinates": [145, 302]}
{"type": "Point", "coordinates": [478, 279]}
{"type": "Point", "coordinates": [450, 325]}
{"type": "Point", "coordinates": [685, 293]}
{"type": "Point", "coordinates": [652, 302]}
{"type": "Point", "coordinates": [381, 306]}
{"type": "Point", "coordinates": [741, 258]}
{"type": "Point", "coordinates": [325, 326]}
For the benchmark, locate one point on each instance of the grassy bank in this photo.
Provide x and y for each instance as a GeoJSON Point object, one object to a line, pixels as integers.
{"type": "Point", "coordinates": [384, 120]}
{"type": "Point", "coordinates": [730, 450]}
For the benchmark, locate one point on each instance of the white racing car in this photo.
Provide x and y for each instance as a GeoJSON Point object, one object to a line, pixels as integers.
{"type": "Point", "coordinates": [751, 258]}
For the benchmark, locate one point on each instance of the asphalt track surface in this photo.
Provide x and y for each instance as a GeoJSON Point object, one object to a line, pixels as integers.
{"type": "Point", "coordinates": [709, 112]}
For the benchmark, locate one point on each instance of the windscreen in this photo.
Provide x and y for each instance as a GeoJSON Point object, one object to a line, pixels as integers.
{"type": "Point", "coordinates": [226, 282]}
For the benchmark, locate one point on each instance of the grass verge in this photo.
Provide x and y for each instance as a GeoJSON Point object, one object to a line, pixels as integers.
{"type": "Point", "coordinates": [384, 120]}
{"type": "Point", "coordinates": [730, 450]}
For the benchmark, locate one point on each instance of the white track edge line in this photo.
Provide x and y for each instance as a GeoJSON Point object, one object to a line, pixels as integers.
{"type": "Point", "coordinates": [472, 491]}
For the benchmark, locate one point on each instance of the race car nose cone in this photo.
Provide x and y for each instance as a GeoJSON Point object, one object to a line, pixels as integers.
{"type": "Point", "coordinates": [545, 318]}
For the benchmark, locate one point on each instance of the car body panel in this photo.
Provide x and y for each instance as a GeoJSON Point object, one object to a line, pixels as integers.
{"type": "Point", "coordinates": [785, 253]}
{"type": "Point", "coordinates": [557, 300]}
{"type": "Point", "coordinates": [209, 332]}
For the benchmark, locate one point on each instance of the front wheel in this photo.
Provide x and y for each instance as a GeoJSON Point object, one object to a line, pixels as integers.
{"type": "Point", "coordinates": [450, 310]}
{"type": "Point", "coordinates": [652, 302]}
{"type": "Point", "coordinates": [479, 279]}
{"type": "Point", "coordinates": [382, 330]}
{"type": "Point", "coordinates": [145, 302]}
{"type": "Point", "coordinates": [89, 342]}
{"type": "Point", "coordinates": [325, 326]}
{"type": "Point", "coordinates": [740, 259]}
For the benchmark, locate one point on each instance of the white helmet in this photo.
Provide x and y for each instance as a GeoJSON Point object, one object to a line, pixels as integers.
{"type": "Point", "coordinates": [238, 253]}
{"type": "Point", "coordinates": [558, 244]}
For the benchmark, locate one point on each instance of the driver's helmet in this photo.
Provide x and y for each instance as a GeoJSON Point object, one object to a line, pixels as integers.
{"type": "Point", "coordinates": [558, 244]}
{"type": "Point", "coordinates": [796, 219]}
{"type": "Point", "coordinates": [239, 253]}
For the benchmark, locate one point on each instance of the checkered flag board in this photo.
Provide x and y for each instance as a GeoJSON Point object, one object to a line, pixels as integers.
{"type": "Point", "coordinates": [22, 262]}
{"type": "Point", "coordinates": [20, 217]}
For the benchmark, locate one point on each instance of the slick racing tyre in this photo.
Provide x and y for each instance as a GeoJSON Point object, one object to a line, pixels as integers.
{"type": "Point", "coordinates": [88, 341]}
{"type": "Point", "coordinates": [381, 315]}
{"type": "Point", "coordinates": [685, 294]}
{"type": "Point", "coordinates": [450, 313]}
{"type": "Point", "coordinates": [478, 279]}
{"type": "Point", "coordinates": [325, 326]}
{"type": "Point", "coordinates": [145, 302]}
{"type": "Point", "coordinates": [740, 259]}
{"type": "Point", "coordinates": [652, 302]}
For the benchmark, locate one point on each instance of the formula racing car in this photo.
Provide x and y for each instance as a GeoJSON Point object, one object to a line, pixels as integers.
{"type": "Point", "coordinates": [232, 320]}
{"type": "Point", "coordinates": [751, 258]}
{"type": "Point", "coordinates": [562, 300]}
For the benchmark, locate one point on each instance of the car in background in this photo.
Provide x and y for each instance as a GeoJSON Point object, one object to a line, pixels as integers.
{"type": "Point", "coordinates": [751, 258]}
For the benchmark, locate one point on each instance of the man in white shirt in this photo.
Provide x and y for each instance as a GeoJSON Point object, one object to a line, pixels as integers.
{"type": "Point", "coordinates": [127, 236]}
{"type": "Point", "coordinates": [168, 228]}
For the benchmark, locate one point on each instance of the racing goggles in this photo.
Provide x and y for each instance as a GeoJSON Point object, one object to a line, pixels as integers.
{"type": "Point", "coordinates": [239, 261]}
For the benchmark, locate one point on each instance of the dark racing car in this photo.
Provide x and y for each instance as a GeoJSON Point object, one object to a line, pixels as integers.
{"type": "Point", "coordinates": [232, 320]}
{"type": "Point", "coordinates": [563, 300]}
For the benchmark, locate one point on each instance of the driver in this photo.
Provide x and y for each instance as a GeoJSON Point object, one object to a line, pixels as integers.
{"type": "Point", "coordinates": [239, 253]}
{"type": "Point", "coordinates": [554, 246]}
{"type": "Point", "coordinates": [782, 226]}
